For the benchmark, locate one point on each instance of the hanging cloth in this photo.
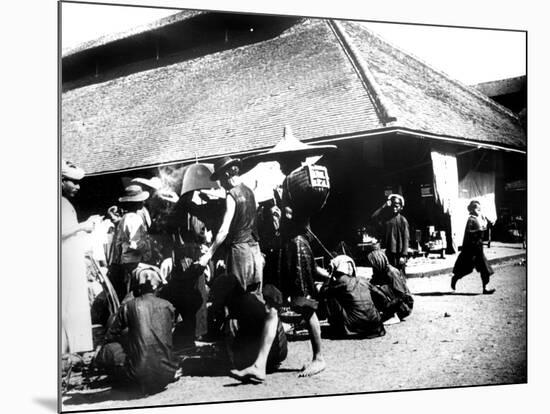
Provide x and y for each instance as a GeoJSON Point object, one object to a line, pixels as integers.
{"type": "Point", "coordinates": [446, 190]}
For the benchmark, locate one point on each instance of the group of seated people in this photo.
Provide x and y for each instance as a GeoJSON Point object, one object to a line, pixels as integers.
{"type": "Point", "coordinates": [138, 347]}
{"type": "Point", "coordinates": [360, 307]}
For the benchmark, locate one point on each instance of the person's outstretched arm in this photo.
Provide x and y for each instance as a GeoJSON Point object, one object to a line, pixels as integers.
{"type": "Point", "coordinates": [222, 233]}
{"type": "Point", "coordinates": [377, 214]}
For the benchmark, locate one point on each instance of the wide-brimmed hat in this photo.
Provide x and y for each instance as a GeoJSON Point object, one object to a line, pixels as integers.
{"type": "Point", "coordinates": [71, 171]}
{"type": "Point", "coordinates": [222, 165]}
{"type": "Point", "coordinates": [153, 183]}
{"type": "Point", "coordinates": [134, 193]}
{"type": "Point", "coordinates": [288, 146]}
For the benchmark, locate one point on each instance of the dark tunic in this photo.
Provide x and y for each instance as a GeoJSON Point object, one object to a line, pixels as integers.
{"type": "Point", "coordinates": [472, 256]}
{"type": "Point", "coordinates": [243, 226]}
{"type": "Point", "coordinates": [389, 288]}
{"type": "Point", "coordinates": [186, 288]}
{"type": "Point", "coordinates": [147, 346]}
{"type": "Point", "coordinates": [350, 308]}
{"type": "Point", "coordinates": [269, 216]}
{"type": "Point", "coordinates": [244, 259]}
{"type": "Point", "coordinates": [297, 267]}
{"type": "Point", "coordinates": [394, 236]}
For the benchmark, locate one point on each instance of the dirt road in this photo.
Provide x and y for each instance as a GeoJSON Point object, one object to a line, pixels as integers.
{"type": "Point", "coordinates": [451, 339]}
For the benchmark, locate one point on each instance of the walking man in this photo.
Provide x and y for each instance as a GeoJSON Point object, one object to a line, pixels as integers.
{"type": "Point", "coordinates": [472, 255]}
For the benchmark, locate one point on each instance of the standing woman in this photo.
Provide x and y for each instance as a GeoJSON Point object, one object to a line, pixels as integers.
{"type": "Point", "coordinates": [76, 321]}
{"type": "Point", "coordinates": [472, 256]}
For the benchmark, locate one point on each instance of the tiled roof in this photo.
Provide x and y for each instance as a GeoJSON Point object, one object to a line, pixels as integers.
{"type": "Point", "coordinates": [239, 100]}
{"type": "Point", "coordinates": [226, 102]}
{"type": "Point", "coordinates": [427, 100]}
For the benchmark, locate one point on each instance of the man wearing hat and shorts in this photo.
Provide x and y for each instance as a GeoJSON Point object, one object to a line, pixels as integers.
{"type": "Point", "coordinates": [131, 244]}
{"type": "Point", "coordinates": [243, 256]}
{"type": "Point", "coordinates": [238, 229]}
{"type": "Point", "coordinates": [75, 309]}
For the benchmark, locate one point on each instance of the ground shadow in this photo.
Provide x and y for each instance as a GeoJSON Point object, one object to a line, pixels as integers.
{"type": "Point", "coordinates": [49, 403]}
{"type": "Point", "coordinates": [446, 294]}
{"type": "Point", "coordinates": [283, 370]}
{"type": "Point", "coordinates": [100, 388]}
{"type": "Point", "coordinates": [111, 394]}
{"type": "Point", "coordinates": [296, 337]}
{"type": "Point", "coordinates": [204, 367]}
{"type": "Point", "coordinates": [328, 333]}
{"type": "Point", "coordinates": [237, 383]}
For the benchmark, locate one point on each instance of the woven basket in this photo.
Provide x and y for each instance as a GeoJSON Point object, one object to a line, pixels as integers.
{"type": "Point", "coordinates": [306, 189]}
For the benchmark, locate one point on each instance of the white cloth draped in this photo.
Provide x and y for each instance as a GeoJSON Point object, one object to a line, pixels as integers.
{"type": "Point", "coordinates": [454, 195]}
{"type": "Point", "coordinates": [445, 170]}
{"type": "Point", "coordinates": [76, 321]}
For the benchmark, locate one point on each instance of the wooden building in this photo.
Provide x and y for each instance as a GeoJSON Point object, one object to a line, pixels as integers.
{"type": "Point", "coordinates": [201, 85]}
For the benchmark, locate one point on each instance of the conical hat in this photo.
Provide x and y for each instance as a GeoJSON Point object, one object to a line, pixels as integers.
{"type": "Point", "coordinates": [288, 146]}
{"type": "Point", "coordinates": [197, 177]}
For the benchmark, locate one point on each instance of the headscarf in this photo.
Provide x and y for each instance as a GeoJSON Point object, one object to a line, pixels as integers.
{"type": "Point", "coordinates": [144, 273]}
{"type": "Point", "coordinates": [71, 171]}
{"type": "Point", "coordinates": [399, 197]}
{"type": "Point", "coordinates": [378, 260]}
{"type": "Point", "coordinates": [344, 265]}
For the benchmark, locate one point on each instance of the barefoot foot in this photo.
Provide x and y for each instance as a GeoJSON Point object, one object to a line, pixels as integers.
{"type": "Point", "coordinates": [251, 374]}
{"type": "Point", "coordinates": [315, 367]}
{"type": "Point", "coordinates": [392, 321]}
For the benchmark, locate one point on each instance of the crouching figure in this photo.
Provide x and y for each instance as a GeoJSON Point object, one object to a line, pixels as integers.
{"type": "Point", "coordinates": [349, 305]}
{"type": "Point", "coordinates": [389, 289]}
{"type": "Point", "coordinates": [256, 341]}
{"type": "Point", "coordinates": [138, 343]}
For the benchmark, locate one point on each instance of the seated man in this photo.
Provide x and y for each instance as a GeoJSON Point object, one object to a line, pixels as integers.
{"type": "Point", "coordinates": [389, 289]}
{"type": "Point", "coordinates": [138, 343]}
{"type": "Point", "coordinates": [249, 322]}
{"type": "Point", "coordinates": [349, 306]}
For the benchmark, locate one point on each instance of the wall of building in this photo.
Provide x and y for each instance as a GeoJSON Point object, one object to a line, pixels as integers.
{"type": "Point", "coordinates": [363, 173]}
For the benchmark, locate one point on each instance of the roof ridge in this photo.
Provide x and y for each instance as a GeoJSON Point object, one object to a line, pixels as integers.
{"type": "Point", "coordinates": [466, 88]}
{"type": "Point", "coordinates": [177, 16]}
{"type": "Point", "coordinates": [384, 107]}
